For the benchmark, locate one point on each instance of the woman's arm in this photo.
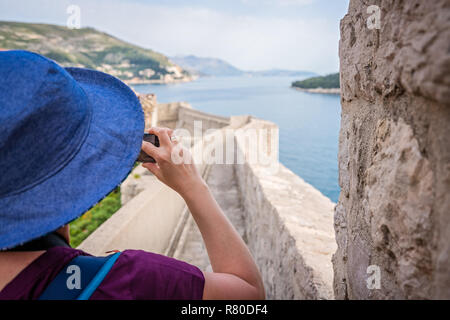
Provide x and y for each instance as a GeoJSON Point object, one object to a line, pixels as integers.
{"type": "Point", "coordinates": [235, 275]}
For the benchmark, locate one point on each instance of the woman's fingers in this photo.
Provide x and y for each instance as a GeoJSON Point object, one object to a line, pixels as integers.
{"type": "Point", "coordinates": [151, 150]}
{"type": "Point", "coordinates": [163, 135]}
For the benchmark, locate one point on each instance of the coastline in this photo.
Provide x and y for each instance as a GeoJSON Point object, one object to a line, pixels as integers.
{"type": "Point", "coordinates": [320, 90]}
{"type": "Point", "coordinates": [161, 81]}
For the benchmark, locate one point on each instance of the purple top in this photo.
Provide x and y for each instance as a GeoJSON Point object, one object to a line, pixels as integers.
{"type": "Point", "coordinates": [136, 274]}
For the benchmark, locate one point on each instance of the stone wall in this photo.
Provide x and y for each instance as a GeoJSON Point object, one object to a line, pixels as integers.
{"type": "Point", "coordinates": [394, 152]}
{"type": "Point", "coordinates": [182, 115]}
{"type": "Point", "coordinates": [167, 113]}
{"type": "Point", "coordinates": [144, 222]}
{"type": "Point", "coordinates": [149, 105]}
{"type": "Point", "coordinates": [187, 118]}
{"type": "Point", "coordinates": [288, 225]}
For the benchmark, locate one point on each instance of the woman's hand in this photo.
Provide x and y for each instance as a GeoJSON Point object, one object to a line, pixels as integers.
{"type": "Point", "coordinates": [174, 164]}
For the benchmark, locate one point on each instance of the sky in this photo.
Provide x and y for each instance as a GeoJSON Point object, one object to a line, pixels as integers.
{"type": "Point", "coordinates": [250, 34]}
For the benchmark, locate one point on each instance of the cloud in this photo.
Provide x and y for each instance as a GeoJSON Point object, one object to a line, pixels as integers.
{"type": "Point", "coordinates": [279, 2]}
{"type": "Point", "coordinates": [249, 42]}
{"type": "Point", "coordinates": [294, 2]}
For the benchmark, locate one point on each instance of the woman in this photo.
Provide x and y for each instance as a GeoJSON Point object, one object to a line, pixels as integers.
{"type": "Point", "coordinates": [67, 138]}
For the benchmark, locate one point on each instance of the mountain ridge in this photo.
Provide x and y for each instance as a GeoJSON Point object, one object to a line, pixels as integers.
{"type": "Point", "coordinates": [91, 48]}
{"type": "Point", "coordinates": [208, 66]}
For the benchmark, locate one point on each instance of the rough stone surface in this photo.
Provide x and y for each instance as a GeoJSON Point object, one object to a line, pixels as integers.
{"type": "Point", "coordinates": [409, 53]}
{"type": "Point", "coordinates": [394, 152]}
{"type": "Point", "coordinates": [289, 228]}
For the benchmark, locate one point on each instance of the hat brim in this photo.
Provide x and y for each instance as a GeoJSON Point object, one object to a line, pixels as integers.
{"type": "Point", "coordinates": [104, 160]}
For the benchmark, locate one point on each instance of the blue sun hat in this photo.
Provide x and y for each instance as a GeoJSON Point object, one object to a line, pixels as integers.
{"type": "Point", "coordinates": [68, 137]}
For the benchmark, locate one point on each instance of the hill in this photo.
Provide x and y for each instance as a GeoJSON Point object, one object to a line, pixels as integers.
{"type": "Point", "coordinates": [207, 66]}
{"type": "Point", "coordinates": [220, 68]}
{"type": "Point", "coordinates": [330, 81]}
{"type": "Point", "coordinates": [89, 48]}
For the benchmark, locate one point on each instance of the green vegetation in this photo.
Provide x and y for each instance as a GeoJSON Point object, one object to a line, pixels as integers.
{"type": "Point", "coordinates": [82, 227]}
{"type": "Point", "coordinates": [88, 48]}
{"type": "Point", "coordinates": [327, 82]}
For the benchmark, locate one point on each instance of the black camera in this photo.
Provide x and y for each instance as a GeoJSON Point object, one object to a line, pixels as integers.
{"type": "Point", "coordinates": [143, 157]}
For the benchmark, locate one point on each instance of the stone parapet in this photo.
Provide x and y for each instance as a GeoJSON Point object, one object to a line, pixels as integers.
{"type": "Point", "coordinates": [392, 220]}
{"type": "Point", "coordinates": [289, 228]}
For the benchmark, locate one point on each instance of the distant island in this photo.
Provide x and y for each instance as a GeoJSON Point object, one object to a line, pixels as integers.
{"type": "Point", "coordinates": [89, 48]}
{"type": "Point", "coordinates": [322, 84]}
{"type": "Point", "coordinates": [214, 67]}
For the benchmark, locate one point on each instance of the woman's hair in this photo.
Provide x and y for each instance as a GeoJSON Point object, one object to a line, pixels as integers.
{"type": "Point", "coordinates": [50, 240]}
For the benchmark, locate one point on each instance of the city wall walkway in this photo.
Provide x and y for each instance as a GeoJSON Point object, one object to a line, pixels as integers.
{"type": "Point", "coordinates": [286, 223]}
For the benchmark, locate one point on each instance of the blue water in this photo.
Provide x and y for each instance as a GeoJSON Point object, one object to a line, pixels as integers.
{"type": "Point", "coordinates": [309, 123]}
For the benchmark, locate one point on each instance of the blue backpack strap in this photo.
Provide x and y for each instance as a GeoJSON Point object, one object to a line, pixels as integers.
{"type": "Point", "coordinates": [98, 278]}
{"type": "Point", "coordinates": [91, 272]}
